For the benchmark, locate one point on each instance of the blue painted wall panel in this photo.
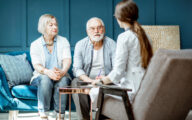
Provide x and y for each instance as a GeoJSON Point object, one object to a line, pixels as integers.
{"type": "Point", "coordinates": [19, 19]}
{"type": "Point", "coordinates": [81, 11]}
{"type": "Point", "coordinates": [11, 23]}
{"type": "Point", "coordinates": [35, 8]}
{"type": "Point", "coordinates": [146, 11]}
{"type": "Point", "coordinates": [176, 12]}
{"type": "Point", "coordinates": [146, 14]}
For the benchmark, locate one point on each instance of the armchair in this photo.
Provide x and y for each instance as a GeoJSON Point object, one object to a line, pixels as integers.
{"type": "Point", "coordinates": [164, 93]}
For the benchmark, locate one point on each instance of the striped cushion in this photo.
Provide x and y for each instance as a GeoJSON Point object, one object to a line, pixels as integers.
{"type": "Point", "coordinates": [17, 69]}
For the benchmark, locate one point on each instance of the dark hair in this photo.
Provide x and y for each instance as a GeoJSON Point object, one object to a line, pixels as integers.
{"type": "Point", "coordinates": [127, 11]}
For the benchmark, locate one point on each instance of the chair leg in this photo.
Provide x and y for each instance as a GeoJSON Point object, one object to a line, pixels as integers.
{"type": "Point", "coordinates": [99, 104]}
{"type": "Point", "coordinates": [13, 114]}
{"type": "Point", "coordinates": [127, 105]}
{"type": "Point", "coordinates": [118, 92]}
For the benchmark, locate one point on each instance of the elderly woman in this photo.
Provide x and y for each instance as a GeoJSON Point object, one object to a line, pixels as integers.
{"type": "Point", "coordinates": [51, 59]}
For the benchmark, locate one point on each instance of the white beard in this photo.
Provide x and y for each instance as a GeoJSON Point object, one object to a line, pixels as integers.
{"type": "Point", "coordinates": [97, 39]}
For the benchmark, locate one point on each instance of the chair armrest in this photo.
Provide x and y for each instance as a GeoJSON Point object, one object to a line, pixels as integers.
{"type": "Point", "coordinates": [114, 90]}
{"type": "Point", "coordinates": [5, 100]}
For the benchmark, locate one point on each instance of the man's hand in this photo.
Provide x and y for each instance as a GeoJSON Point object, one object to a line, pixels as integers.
{"type": "Point", "coordinates": [85, 78]}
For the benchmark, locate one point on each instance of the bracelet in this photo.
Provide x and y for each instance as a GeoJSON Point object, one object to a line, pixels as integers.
{"type": "Point", "coordinates": [42, 70]}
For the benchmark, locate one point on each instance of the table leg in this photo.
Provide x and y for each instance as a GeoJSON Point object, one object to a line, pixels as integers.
{"type": "Point", "coordinates": [69, 106]}
{"type": "Point", "coordinates": [59, 106]}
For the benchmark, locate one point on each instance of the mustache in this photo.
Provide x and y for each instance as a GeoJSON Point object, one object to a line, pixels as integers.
{"type": "Point", "coordinates": [97, 34]}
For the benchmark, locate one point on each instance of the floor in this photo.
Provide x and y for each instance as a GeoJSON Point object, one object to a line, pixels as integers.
{"type": "Point", "coordinates": [34, 116]}
{"type": "Point", "coordinates": [189, 117]}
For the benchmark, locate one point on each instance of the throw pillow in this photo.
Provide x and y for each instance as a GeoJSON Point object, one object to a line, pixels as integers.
{"type": "Point", "coordinates": [17, 69]}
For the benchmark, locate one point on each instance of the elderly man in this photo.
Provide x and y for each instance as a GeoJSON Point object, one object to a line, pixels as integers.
{"type": "Point", "coordinates": [93, 57]}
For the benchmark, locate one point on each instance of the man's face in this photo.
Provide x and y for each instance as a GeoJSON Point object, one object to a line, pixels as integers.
{"type": "Point", "coordinates": [51, 28]}
{"type": "Point", "coordinates": [95, 30]}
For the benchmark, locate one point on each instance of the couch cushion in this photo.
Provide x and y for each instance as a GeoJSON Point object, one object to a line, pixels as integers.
{"type": "Point", "coordinates": [14, 53]}
{"type": "Point", "coordinates": [24, 92]}
{"type": "Point", "coordinates": [17, 69]}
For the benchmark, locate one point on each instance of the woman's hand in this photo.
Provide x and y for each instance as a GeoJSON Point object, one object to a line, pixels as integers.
{"type": "Point", "coordinates": [98, 80]}
{"type": "Point", "coordinates": [106, 80]}
{"type": "Point", "coordinates": [51, 74]}
{"type": "Point", "coordinates": [99, 77]}
{"type": "Point", "coordinates": [95, 82]}
{"type": "Point", "coordinates": [103, 80]}
{"type": "Point", "coordinates": [59, 73]}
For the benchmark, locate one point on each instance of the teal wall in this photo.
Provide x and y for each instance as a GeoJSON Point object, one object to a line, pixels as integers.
{"type": "Point", "coordinates": [19, 18]}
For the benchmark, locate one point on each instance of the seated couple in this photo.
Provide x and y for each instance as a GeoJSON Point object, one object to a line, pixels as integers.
{"type": "Point", "coordinates": [51, 59]}
{"type": "Point", "coordinates": [95, 55]}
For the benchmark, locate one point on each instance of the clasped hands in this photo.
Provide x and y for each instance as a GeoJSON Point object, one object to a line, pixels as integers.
{"type": "Point", "coordinates": [55, 74]}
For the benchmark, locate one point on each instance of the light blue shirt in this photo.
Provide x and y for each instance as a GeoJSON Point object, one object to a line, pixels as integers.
{"type": "Point", "coordinates": [83, 56]}
{"type": "Point", "coordinates": [37, 52]}
{"type": "Point", "coordinates": [50, 58]}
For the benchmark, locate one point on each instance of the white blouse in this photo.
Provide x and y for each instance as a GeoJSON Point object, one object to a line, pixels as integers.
{"type": "Point", "coordinates": [127, 71]}
{"type": "Point", "coordinates": [38, 56]}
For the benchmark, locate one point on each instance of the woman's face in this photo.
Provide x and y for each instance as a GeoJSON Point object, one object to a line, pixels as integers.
{"type": "Point", "coordinates": [51, 28]}
{"type": "Point", "coordinates": [120, 23]}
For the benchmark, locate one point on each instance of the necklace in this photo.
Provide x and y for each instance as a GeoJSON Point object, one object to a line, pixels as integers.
{"type": "Point", "coordinates": [49, 43]}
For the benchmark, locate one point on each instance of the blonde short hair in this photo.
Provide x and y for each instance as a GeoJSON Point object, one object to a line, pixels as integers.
{"type": "Point", "coordinates": [43, 21]}
{"type": "Point", "coordinates": [94, 18]}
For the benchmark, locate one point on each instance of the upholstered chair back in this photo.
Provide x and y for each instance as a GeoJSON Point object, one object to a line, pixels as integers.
{"type": "Point", "coordinates": [166, 89]}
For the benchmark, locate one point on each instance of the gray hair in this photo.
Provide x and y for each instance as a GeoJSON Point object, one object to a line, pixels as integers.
{"type": "Point", "coordinates": [94, 18]}
{"type": "Point", "coordinates": [43, 20]}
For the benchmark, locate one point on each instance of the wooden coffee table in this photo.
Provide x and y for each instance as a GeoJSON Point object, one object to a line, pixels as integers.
{"type": "Point", "coordinates": [73, 90]}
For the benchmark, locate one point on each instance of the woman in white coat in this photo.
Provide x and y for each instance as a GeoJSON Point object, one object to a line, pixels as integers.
{"type": "Point", "coordinates": [133, 52]}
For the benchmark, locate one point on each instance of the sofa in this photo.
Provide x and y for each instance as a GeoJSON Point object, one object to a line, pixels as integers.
{"type": "Point", "coordinates": [19, 97]}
